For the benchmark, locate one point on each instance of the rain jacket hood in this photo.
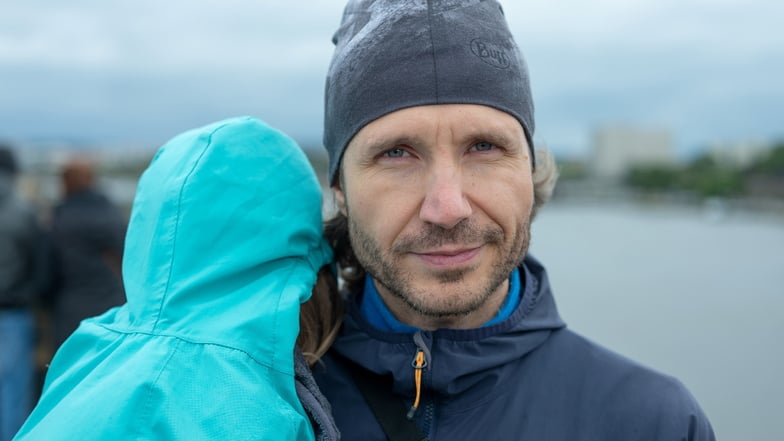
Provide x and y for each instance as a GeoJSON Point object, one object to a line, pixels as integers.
{"type": "Point", "coordinates": [224, 214]}
{"type": "Point", "coordinates": [223, 245]}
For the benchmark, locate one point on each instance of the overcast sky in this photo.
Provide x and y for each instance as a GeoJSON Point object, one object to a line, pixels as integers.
{"type": "Point", "coordinates": [120, 72]}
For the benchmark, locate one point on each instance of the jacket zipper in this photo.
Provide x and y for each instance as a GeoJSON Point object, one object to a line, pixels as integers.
{"type": "Point", "coordinates": [419, 363]}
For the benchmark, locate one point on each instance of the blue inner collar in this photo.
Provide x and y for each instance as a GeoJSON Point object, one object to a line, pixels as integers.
{"type": "Point", "coordinates": [377, 314]}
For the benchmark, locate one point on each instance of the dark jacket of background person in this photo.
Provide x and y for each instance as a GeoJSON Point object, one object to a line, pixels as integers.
{"type": "Point", "coordinates": [24, 270]}
{"type": "Point", "coordinates": [24, 276]}
{"type": "Point", "coordinates": [89, 233]}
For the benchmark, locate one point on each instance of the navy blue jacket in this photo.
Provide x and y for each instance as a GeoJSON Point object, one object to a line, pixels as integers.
{"type": "Point", "coordinates": [526, 378]}
{"type": "Point", "coordinates": [89, 234]}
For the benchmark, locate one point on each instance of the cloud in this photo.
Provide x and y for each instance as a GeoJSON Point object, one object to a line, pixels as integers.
{"type": "Point", "coordinates": [704, 69]}
{"type": "Point", "coordinates": [145, 70]}
{"type": "Point", "coordinates": [165, 36]}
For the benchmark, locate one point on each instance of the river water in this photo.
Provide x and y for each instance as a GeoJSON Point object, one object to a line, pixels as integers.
{"type": "Point", "coordinates": [695, 294]}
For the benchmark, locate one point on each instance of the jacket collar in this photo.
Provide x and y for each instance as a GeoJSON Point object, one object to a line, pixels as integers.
{"type": "Point", "coordinates": [458, 360]}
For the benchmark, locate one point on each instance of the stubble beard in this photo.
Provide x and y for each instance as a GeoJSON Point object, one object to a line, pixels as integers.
{"type": "Point", "coordinates": [460, 300]}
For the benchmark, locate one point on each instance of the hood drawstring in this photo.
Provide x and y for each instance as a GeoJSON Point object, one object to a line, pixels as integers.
{"type": "Point", "coordinates": [418, 364]}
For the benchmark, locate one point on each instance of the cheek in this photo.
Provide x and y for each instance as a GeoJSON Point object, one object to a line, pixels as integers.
{"type": "Point", "coordinates": [507, 202]}
{"type": "Point", "coordinates": [385, 215]}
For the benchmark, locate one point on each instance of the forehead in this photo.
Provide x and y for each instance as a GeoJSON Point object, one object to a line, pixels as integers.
{"type": "Point", "coordinates": [422, 124]}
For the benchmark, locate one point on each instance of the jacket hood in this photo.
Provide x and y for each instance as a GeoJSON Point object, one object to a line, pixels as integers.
{"type": "Point", "coordinates": [224, 241]}
{"type": "Point", "coordinates": [457, 359]}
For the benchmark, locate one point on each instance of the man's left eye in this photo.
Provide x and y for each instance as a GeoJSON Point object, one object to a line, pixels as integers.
{"type": "Point", "coordinates": [483, 146]}
{"type": "Point", "coordinates": [396, 153]}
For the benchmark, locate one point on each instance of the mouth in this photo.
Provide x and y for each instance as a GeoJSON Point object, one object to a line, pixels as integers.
{"type": "Point", "coordinates": [448, 258]}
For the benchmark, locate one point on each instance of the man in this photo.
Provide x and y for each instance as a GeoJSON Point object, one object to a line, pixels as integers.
{"type": "Point", "coordinates": [89, 232]}
{"type": "Point", "coordinates": [429, 127]}
{"type": "Point", "coordinates": [24, 276]}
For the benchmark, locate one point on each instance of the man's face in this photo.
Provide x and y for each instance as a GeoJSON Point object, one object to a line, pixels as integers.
{"type": "Point", "coordinates": [439, 200]}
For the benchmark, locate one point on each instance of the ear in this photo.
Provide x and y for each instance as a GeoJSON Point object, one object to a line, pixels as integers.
{"type": "Point", "coordinates": [340, 198]}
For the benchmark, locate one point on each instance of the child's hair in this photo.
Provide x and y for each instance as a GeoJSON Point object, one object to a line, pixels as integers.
{"type": "Point", "coordinates": [320, 317]}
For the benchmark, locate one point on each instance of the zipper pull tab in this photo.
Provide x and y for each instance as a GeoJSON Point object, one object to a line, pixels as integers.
{"type": "Point", "coordinates": [418, 364]}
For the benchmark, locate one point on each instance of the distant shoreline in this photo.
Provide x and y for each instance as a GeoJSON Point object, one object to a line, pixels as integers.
{"type": "Point", "coordinates": [716, 208]}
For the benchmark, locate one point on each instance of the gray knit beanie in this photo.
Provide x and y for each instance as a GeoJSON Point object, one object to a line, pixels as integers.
{"type": "Point", "coordinates": [393, 54]}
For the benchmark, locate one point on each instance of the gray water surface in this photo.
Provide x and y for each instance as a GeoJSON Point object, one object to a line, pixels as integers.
{"type": "Point", "coordinates": [693, 294]}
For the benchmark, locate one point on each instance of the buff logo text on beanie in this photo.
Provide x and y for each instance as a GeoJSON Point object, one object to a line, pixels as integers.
{"type": "Point", "coordinates": [490, 54]}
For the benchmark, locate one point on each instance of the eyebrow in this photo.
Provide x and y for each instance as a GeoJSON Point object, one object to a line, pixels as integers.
{"type": "Point", "coordinates": [381, 143]}
{"type": "Point", "coordinates": [493, 136]}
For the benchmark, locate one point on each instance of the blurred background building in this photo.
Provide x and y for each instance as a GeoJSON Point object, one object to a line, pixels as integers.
{"type": "Point", "coordinates": [618, 149]}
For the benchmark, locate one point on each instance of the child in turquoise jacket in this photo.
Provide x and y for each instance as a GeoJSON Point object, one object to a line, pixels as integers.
{"type": "Point", "coordinates": [224, 243]}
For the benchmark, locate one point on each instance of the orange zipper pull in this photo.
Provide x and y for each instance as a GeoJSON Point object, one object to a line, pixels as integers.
{"type": "Point", "coordinates": [418, 364]}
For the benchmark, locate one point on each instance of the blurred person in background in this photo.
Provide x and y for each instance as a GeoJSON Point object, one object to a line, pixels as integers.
{"type": "Point", "coordinates": [24, 276]}
{"type": "Point", "coordinates": [89, 233]}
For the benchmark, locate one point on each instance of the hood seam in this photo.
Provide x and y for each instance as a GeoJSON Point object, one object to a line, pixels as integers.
{"type": "Point", "coordinates": [195, 342]}
{"type": "Point", "coordinates": [177, 223]}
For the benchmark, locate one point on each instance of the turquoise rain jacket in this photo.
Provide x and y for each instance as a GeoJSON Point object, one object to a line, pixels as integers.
{"type": "Point", "coordinates": [223, 245]}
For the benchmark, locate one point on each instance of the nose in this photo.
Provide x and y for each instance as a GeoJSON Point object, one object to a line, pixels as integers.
{"type": "Point", "coordinates": [445, 203]}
